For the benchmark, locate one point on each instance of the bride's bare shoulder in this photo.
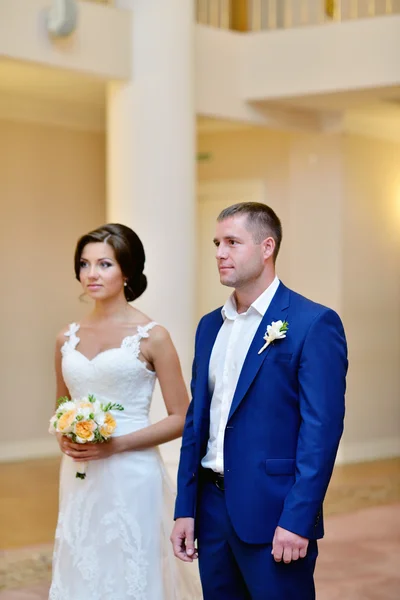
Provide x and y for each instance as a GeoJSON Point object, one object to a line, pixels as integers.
{"type": "Point", "coordinates": [139, 318]}
{"type": "Point", "coordinates": [158, 332]}
{"type": "Point", "coordinates": [62, 335]}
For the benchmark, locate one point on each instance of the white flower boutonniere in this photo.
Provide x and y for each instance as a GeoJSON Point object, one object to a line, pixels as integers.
{"type": "Point", "coordinates": [276, 331]}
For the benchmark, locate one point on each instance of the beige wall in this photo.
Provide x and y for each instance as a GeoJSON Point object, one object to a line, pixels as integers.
{"type": "Point", "coordinates": [337, 198]}
{"type": "Point", "coordinates": [371, 293]}
{"type": "Point", "coordinates": [303, 177]}
{"type": "Point", "coordinates": [252, 154]}
{"type": "Point", "coordinates": [314, 232]}
{"type": "Point", "coordinates": [52, 183]}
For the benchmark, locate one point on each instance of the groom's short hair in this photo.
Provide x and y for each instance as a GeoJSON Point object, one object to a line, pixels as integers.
{"type": "Point", "coordinates": [262, 221]}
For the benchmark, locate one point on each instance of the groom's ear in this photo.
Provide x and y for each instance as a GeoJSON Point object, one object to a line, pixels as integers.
{"type": "Point", "coordinates": [268, 247]}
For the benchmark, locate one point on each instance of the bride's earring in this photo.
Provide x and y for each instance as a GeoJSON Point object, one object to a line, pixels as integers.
{"type": "Point", "coordinates": [125, 283]}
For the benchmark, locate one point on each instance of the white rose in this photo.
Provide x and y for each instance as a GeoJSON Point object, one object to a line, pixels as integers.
{"type": "Point", "coordinates": [84, 412]}
{"type": "Point", "coordinates": [96, 407]}
{"type": "Point", "coordinates": [273, 331]}
{"type": "Point", "coordinates": [66, 406]}
{"type": "Point", "coordinates": [52, 429]}
{"type": "Point", "coordinates": [100, 418]}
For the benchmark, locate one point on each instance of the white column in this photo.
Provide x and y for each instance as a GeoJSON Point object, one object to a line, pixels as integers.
{"type": "Point", "coordinates": [151, 163]}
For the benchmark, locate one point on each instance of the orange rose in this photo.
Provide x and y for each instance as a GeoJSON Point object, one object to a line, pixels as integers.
{"type": "Point", "coordinates": [109, 426]}
{"type": "Point", "coordinates": [84, 430]}
{"type": "Point", "coordinates": [66, 420]}
{"type": "Point", "coordinates": [85, 405]}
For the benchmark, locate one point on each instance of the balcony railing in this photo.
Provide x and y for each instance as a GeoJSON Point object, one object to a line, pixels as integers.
{"type": "Point", "coordinates": [216, 13]}
{"type": "Point", "coordinates": [255, 15]}
{"type": "Point", "coordinates": [101, 1]}
{"type": "Point", "coordinates": [283, 14]}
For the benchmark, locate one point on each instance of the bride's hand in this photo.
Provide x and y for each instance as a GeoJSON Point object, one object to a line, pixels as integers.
{"type": "Point", "coordinates": [89, 451]}
{"type": "Point", "coordinates": [68, 447]}
{"type": "Point", "coordinates": [63, 442]}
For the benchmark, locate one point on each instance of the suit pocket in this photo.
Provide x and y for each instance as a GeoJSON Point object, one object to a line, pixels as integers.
{"type": "Point", "coordinates": [280, 466]}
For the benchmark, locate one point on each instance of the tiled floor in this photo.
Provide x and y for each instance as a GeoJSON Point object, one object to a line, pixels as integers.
{"type": "Point", "coordinates": [358, 558]}
{"type": "Point", "coordinates": [362, 485]}
{"type": "Point", "coordinates": [28, 502]}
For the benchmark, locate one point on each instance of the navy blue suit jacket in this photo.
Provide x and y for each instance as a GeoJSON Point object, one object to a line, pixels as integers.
{"type": "Point", "coordinates": [284, 425]}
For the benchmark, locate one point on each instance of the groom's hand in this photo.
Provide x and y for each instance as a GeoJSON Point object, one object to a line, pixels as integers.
{"type": "Point", "coordinates": [182, 538]}
{"type": "Point", "coordinates": [288, 546]}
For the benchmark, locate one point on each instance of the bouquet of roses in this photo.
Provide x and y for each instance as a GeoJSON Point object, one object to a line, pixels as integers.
{"type": "Point", "coordinates": [84, 420]}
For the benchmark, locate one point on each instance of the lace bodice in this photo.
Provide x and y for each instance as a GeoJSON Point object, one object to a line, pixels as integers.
{"type": "Point", "coordinates": [114, 375]}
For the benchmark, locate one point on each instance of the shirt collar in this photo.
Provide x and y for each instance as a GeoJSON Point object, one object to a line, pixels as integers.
{"type": "Point", "coordinates": [260, 305]}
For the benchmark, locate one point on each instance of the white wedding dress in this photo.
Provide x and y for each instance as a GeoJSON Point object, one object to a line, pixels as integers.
{"type": "Point", "coordinates": [112, 538]}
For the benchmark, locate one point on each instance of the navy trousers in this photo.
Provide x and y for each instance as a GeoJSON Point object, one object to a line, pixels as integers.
{"type": "Point", "coordinates": [233, 570]}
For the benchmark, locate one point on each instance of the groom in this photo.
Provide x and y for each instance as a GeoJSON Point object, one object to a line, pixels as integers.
{"type": "Point", "coordinates": [264, 424]}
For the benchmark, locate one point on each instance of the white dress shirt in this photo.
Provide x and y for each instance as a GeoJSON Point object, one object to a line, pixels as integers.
{"type": "Point", "coordinates": [226, 362]}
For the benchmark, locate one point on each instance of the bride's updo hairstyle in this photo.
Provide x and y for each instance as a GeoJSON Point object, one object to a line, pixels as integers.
{"type": "Point", "coordinates": [129, 253]}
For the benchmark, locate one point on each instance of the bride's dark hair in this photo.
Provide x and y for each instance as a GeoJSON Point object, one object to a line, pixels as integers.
{"type": "Point", "coordinates": [129, 253]}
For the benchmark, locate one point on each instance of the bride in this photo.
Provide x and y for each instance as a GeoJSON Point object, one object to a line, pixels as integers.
{"type": "Point", "coordinates": [113, 527]}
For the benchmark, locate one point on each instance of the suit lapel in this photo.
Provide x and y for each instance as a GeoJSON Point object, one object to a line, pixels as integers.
{"type": "Point", "coordinates": [206, 345]}
{"type": "Point", "coordinates": [277, 310]}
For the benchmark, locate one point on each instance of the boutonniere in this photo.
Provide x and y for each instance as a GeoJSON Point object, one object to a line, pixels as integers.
{"type": "Point", "coordinates": [276, 331]}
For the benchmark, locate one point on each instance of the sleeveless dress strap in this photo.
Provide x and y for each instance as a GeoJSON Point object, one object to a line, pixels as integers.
{"type": "Point", "coordinates": [73, 340]}
{"type": "Point", "coordinates": [132, 342]}
{"type": "Point", "coordinates": [143, 332]}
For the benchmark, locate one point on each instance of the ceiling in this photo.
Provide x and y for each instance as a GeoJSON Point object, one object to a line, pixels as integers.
{"type": "Point", "coordinates": [347, 100]}
{"type": "Point", "coordinates": [376, 110]}
{"type": "Point", "coordinates": [51, 84]}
